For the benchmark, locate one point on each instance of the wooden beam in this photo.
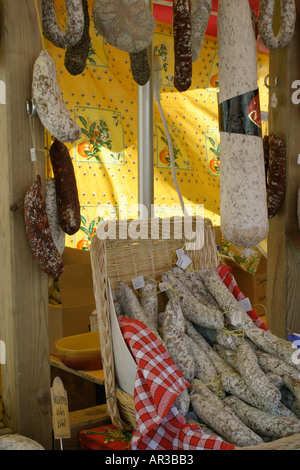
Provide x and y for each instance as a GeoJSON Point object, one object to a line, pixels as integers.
{"type": "Point", "coordinates": [283, 271]}
{"type": "Point", "coordinates": [24, 297]}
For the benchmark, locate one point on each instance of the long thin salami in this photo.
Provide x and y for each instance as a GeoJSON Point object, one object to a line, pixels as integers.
{"type": "Point", "coordinates": [216, 414]}
{"type": "Point", "coordinates": [66, 188]}
{"type": "Point", "coordinates": [171, 330]}
{"type": "Point", "coordinates": [182, 32]}
{"type": "Point", "coordinates": [192, 309]}
{"type": "Point", "coordinates": [243, 198]}
{"type": "Point", "coordinates": [38, 231]}
{"type": "Point", "coordinates": [262, 422]}
{"type": "Point", "coordinates": [271, 344]}
{"type": "Point", "coordinates": [266, 393]}
{"type": "Point", "coordinates": [276, 182]}
{"type": "Point", "coordinates": [58, 235]}
{"type": "Point", "coordinates": [226, 300]}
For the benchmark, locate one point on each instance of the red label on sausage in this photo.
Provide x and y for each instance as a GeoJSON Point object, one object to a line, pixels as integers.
{"type": "Point", "coordinates": [254, 111]}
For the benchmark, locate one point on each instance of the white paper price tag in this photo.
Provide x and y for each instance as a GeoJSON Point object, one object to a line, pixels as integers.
{"type": "Point", "coordinates": [33, 155]}
{"type": "Point", "coordinates": [184, 262]}
{"type": "Point", "coordinates": [246, 304]}
{"type": "Point", "coordinates": [138, 282]}
{"type": "Point", "coordinates": [231, 342]}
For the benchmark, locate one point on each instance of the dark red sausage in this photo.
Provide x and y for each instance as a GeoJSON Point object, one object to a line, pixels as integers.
{"type": "Point", "coordinates": [276, 175]}
{"type": "Point", "coordinates": [66, 188]}
{"type": "Point", "coordinates": [182, 33]}
{"type": "Point", "coordinates": [38, 231]}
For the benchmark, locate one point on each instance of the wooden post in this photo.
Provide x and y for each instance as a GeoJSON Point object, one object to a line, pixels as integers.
{"type": "Point", "coordinates": [283, 272]}
{"type": "Point", "coordinates": [24, 295]}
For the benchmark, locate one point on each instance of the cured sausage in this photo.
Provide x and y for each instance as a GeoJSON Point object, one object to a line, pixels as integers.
{"type": "Point", "coordinates": [38, 231]}
{"type": "Point", "coordinates": [58, 234]}
{"type": "Point", "coordinates": [276, 181]}
{"type": "Point", "coordinates": [125, 24]}
{"type": "Point", "coordinates": [73, 32]}
{"type": "Point", "coordinates": [262, 422]}
{"type": "Point", "coordinates": [212, 411]}
{"type": "Point", "coordinates": [287, 25]}
{"type": "Point", "coordinates": [66, 188]}
{"type": "Point", "coordinates": [182, 32]}
{"type": "Point", "coordinates": [192, 309]}
{"type": "Point", "coordinates": [76, 55]}
{"type": "Point", "coordinates": [140, 67]}
{"type": "Point", "coordinates": [243, 195]}
{"type": "Point", "coordinates": [50, 106]}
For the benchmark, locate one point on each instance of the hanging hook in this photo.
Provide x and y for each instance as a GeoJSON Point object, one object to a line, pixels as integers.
{"type": "Point", "coordinates": [267, 84]}
{"type": "Point", "coordinates": [31, 108]}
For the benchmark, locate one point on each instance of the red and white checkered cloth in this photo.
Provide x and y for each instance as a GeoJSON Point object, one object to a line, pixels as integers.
{"type": "Point", "coordinates": [159, 426]}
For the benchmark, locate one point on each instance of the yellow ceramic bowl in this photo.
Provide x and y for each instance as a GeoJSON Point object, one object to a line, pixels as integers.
{"type": "Point", "coordinates": [81, 352]}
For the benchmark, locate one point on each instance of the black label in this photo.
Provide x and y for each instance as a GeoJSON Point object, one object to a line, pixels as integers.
{"type": "Point", "coordinates": [241, 114]}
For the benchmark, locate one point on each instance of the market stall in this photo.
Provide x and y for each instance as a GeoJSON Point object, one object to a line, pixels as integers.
{"type": "Point", "coordinates": [128, 125]}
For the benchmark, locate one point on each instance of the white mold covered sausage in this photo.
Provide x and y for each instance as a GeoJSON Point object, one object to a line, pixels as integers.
{"type": "Point", "coordinates": [243, 206]}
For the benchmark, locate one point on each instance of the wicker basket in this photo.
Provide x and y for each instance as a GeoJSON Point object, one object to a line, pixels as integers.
{"type": "Point", "coordinates": [121, 259]}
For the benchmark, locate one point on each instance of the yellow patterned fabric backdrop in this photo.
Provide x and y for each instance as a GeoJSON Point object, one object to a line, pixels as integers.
{"type": "Point", "coordinates": [104, 102]}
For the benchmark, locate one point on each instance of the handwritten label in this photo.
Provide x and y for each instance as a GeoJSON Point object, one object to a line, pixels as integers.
{"type": "Point", "coordinates": [138, 282]}
{"type": "Point", "coordinates": [60, 410]}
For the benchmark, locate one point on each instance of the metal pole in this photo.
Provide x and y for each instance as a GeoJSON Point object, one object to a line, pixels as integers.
{"type": "Point", "coordinates": [145, 143]}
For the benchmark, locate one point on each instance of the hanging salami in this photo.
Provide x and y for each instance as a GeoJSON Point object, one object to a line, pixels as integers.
{"type": "Point", "coordinates": [38, 231]}
{"type": "Point", "coordinates": [49, 102]}
{"type": "Point", "coordinates": [66, 188]}
{"type": "Point", "coordinates": [76, 55]}
{"type": "Point", "coordinates": [182, 32]}
{"type": "Point", "coordinates": [286, 27]}
{"type": "Point", "coordinates": [243, 198]}
{"type": "Point", "coordinates": [125, 24]}
{"type": "Point", "coordinates": [276, 176]}
{"type": "Point", "coordinates": [63, 37]}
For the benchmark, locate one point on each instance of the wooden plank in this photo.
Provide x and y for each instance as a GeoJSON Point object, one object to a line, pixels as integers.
{"type": "Point", "coordinates": [23, 296]}
{"type": "Point", "coordinates": [283, 249]}
{"type": "Point", "coordinates": [96, 376]}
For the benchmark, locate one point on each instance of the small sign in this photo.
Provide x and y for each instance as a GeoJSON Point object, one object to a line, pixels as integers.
{"type": "Point", "coordinates": [60, 410]}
